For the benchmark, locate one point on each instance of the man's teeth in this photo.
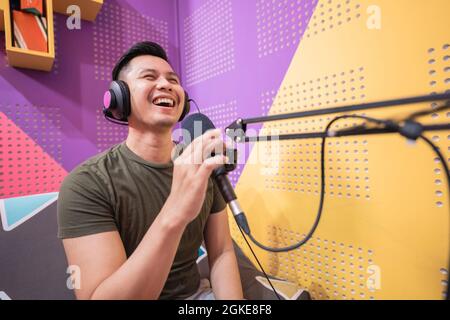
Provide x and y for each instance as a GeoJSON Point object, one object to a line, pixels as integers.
{"type": "Point", "coordinates": [170, 102]}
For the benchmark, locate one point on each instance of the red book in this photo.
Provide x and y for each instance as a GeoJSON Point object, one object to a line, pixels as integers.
{"type": "Point", "coordinates": [32, 6]}
{"type": "Point", "coordinates": [30, 31]}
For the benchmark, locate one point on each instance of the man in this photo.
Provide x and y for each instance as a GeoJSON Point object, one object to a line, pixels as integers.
{"type": "Point", "coordinates": [132, 218]}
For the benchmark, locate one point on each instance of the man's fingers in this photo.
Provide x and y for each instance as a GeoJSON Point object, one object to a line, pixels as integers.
{"type": "Point", "coordinates": [211, 164]}
{"type": "Point", "coordinates": [214, 147]}
{"type": "Point", "coordinates": [201, 140]}
{"type": "Point", "coordinates": [202, 147]}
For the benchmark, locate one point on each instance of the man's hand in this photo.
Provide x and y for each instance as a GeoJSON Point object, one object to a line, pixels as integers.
{"type": "Point", "coordinates": [191, 172]}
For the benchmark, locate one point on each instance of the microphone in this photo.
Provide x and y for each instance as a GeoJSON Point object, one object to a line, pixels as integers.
{"type": "Point", "coordinates": [194, 126]}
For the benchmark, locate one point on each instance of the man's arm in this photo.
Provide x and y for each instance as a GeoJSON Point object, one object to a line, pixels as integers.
{"type": "Point", "coordinates": [105, 273]}
{"type": "Point", "coordinates": [224, 271]}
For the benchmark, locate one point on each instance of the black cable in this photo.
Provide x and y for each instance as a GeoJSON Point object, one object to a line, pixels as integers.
{"type": "Point", "coordinates": [410, 130]}
{"type": "Point", "coordinates": [321, 200]}
{"type": "Point", "coordinates": [115, 121]}
{"type": "Point", "coordinates": [192, 100]}
{"type": "Point", "coordinates": [322, 188]}
{"type": "Point", "coordinates": [308, 236]}
{"type": "Point", "coordinates": [444, 164]}
{"type": "Point", "coordinates": [259, 264]}
{"type": "Point", "coordinates": [319, 213]}
{"type": "Point", "coordinates": [413, 130]}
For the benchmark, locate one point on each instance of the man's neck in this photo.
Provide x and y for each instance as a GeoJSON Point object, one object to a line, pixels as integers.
{"type": "Point", "coordinates": [151, 146]}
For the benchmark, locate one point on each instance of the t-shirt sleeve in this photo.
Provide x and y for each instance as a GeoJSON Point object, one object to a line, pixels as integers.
{"type": "Point", "coordinates": [83, 206]}
{"type": "Point", "coordinates": [218, 203]}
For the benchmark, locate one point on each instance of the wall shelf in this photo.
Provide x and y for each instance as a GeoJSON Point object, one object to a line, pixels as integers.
{"type": "Point", "coordinates": [30, 59]}
{"type": "Point", "coordinates": [2, 22]}
{"type": "Point", "coordinates": [89, 8]}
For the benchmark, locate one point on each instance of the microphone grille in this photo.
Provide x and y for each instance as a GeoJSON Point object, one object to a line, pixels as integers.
{"type": "Point", "coordinates": [195, 125]}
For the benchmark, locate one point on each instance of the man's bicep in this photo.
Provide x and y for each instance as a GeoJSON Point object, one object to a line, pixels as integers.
{"type": "Point", "coordinates": [87, 226]}
{"type": "Point", "coordinates": [84, 207]}
{"type": "Point", "coordinates": [95, 257]}
{"type": "Point", "coordinates": [217, 234]}
{"type": "Point", "coordinates": [218, 204]}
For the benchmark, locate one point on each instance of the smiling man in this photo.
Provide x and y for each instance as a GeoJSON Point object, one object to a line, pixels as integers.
{"type": "Point", "coordinates": [132, 218]}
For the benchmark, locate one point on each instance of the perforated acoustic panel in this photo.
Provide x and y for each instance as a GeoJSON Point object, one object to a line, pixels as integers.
{"type": "Point", "coordinates": [333, 14]}
{"type": "Point", "coordinates": [116, 29]}
{"type": "Point", "coordinates": [384, 230]}
{"type": "Point", "coordinates": [280, 23]}
{"type": "Point", "coordinates": [108, 133]}
{"type": "Point", "coordinates": [209, 41]}
{"type": "Point", "coordinates": [25, 168]}
{"type": "Point", "coordinates": [439, 77]}
{"type": "Point", "coordinates": [222, 115]}
{"type": "Point", "coordinates": [42, 123]}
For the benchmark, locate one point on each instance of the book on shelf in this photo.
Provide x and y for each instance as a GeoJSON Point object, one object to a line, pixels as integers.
{"type": "Point", "coordinates": [30, 31]}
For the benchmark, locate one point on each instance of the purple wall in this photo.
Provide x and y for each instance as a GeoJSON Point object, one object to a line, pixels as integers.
{"type": "Point", "coordinates": [73, 90]}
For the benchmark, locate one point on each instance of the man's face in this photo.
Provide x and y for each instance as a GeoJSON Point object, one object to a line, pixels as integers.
{"type": "Point", "coordinates": [157, 98]}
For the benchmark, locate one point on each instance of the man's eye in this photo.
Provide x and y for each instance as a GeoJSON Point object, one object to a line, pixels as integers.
{"type": "Point", "coordinates": [173, 80]}
{"type": "Point", "coordinates": [150, 77]}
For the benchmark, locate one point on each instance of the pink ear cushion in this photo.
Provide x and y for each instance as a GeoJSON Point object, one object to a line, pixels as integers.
{"type": "Point", "coordinates": [107, 99]}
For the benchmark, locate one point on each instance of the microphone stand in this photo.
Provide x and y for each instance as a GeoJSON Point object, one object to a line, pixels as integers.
{"type": "Point", "coordinates": [408, 128]}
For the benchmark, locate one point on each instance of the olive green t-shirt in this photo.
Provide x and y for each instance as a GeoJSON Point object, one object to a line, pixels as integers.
{"type": "Point", "coordinates": [118, 190]}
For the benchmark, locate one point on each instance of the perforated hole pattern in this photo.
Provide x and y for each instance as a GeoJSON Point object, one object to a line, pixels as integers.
{"type": "Point", "coordinates": [298, 168]}
{"type": "Point", "coordinates": [108, 133]}
{"type": "Point", "coordinates": [280, 23]}
{"type": "Point", "coordinates": [41, 123]}
{"type": "Point", "coordinates": [327, 268]}
{"type": "Point", "coordinates": [117, 28]}
{"type": "Point", "coordinates": [333, 14]}
{"type": "Point", "coordinates": [439, 76]}
{"type": "Point", "coordinates": [438, 61]}
{"type": "Point", "coordinates": [209, 41]}
{"type": "Point", "coordinates": [294, 165]}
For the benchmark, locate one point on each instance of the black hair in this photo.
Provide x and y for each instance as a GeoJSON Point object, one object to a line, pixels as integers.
{"type": "Point", "coordinates": [138, 49]}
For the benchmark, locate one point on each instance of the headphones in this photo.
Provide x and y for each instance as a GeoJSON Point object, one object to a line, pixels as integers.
{"type": "Point", "coordinates": [117, 103]}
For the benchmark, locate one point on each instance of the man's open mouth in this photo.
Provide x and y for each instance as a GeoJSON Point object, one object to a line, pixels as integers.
{"type": "Point", "coordinates": [164, 102]}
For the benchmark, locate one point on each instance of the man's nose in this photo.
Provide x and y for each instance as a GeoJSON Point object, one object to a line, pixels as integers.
{"type": "Point", "coordinates": [163, 83]}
